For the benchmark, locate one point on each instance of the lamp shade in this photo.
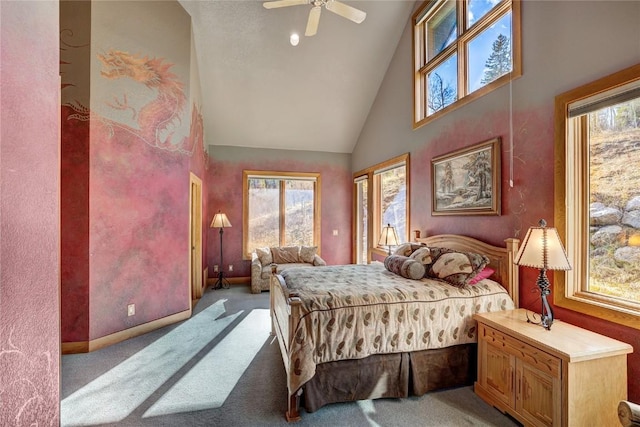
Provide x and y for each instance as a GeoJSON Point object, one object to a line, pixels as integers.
{"type": "Point", "coordinates": [220, 220]}
{"type": "Point", "coordinates": [388, 237]}
{"type": "Point", "coordinates": [542, 248]}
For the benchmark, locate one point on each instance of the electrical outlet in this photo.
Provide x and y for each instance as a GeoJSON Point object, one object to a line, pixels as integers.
{"type": "Point", "coordinates": [335, 232]}
{"type": "Point", "coordinates": [215, 268]}
{"type": "Point", "coordinates": [230, 267]}
{"type": "Point", "coordinates": [131, 309]}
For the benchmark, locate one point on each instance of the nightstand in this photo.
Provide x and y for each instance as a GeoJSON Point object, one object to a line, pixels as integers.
{"type": "Point", "coordinates": [566, 376]}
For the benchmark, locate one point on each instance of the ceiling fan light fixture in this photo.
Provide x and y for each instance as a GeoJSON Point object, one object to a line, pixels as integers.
{"type": "Point", "coordinates": [335, 6]}
{"type": "Point", "coordinates": [294, 39]}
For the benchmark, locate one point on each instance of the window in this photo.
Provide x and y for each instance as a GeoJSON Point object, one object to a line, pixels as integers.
{"type": "Point", "coordinates": [381, 194]}
{"type": "Point", "coordinates": [361, 194]}
{"type": "Point", "coordinates": [598, 197]}
{"type": "Point", "coordinates": [463, 49]}
{"type": "Point", "coordinates": [280, 209]}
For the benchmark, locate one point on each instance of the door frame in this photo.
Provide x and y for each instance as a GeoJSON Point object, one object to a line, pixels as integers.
{"type": "Point", "coordinates": [195, 238]}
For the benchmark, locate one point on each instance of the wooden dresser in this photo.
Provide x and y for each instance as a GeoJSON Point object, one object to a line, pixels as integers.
{"type": "Point", "coordinates": [566, 376]}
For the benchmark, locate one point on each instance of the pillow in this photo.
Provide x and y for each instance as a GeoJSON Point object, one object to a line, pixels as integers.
{"type": "Point", "coordinates": [308, 253]}
{"type": "Point", "coordinates": [286, 254]}
{"type": "Point", "coordinates": [404, 266]}
{"type": "Point", "coordinates": [485, 273]}
{"type": "Point", "coordinates": [422, 255]}
{"type": "Point", "coordinates": [454, 267]}
{"type": "Point", "coordinates": [407, 249]}
{"type": "Point", "coordinates": [264, 255]}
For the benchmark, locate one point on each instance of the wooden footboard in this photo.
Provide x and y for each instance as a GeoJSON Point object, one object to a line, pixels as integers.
{"type": "Point", "coordinates": [285, 315]}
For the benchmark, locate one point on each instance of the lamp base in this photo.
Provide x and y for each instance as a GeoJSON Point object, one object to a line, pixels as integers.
{"type": "Point", "coordinates": [546, 318]}
{"type": "Point", "coordinates": [221, 282]}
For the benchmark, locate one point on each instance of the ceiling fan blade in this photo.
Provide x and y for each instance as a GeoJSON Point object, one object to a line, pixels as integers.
{"type": "Point", "coordinates": [346, 11]}
{"type": "Point", "coordinates": [314, 20]}
{"type": "Point", "coordinates": [283, 3]}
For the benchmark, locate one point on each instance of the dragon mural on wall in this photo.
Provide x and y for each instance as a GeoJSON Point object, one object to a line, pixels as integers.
{"type": "Point", "coordinates": [156, 121]}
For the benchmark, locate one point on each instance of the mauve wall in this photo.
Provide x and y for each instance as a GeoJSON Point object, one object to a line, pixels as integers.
{"type": "Point", "coordinates": [565, 44]}
{"type": "Point", "coordinates": [225, 183]}
{"type": "Point", "coordinates": [132, 132]}
{"type": "Point", "coordinates": [29, 228]}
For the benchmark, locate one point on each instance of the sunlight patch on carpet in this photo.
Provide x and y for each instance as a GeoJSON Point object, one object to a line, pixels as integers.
{"type": "Point", "coordinates": [368, 410]}
{"type": "Point", "coordinates": [117, 393]}
{"type": "Point", "coordinates": [208, 384]}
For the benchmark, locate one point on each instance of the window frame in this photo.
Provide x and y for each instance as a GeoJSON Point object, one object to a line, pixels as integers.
{"type": "Point", "coordinates": [283, 176]}
{"type": "Point", "coordinates": [373, 206]}
{"type": "Point", "coordinates": [422, 66]}
{"type": "Point", "coordinates": [571, 186]}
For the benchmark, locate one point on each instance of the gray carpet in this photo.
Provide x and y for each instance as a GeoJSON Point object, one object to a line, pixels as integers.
{"type": "Point", "coordinates": [221, 368]}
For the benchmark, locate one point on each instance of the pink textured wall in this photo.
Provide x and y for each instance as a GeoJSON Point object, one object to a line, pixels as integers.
{"type": "Point", "coordinates": [522, 205]}
{"type": "Point", "coordinates": [126, 159]}
{"type": "Point", "coordinates": [225, 183]}
{"type": "Point", "coordinates": [29, 247]}
{"type": "Point", "coordinates": [139, 228]}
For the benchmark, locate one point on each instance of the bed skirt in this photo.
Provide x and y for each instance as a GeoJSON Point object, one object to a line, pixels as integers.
{"type": "Point", "coordinates": [391, 375]}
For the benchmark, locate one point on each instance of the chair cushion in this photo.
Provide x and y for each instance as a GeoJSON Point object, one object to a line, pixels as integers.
{"type": "Point", "coordinates": [286, 254]}
{"type": "Point", "coordinates": [308, 253]}
{"type": "Point", "coordinates": [264, 255]}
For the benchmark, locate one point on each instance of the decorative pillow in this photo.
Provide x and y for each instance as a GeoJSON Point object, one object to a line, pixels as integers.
{"type": "Point", "coordinates": [485, 273]}
{"type": "Point", "coordinates": [404, 266]}
{"type": "Point", "coordinates": [407, 249]}
{"type": "Point", "coordinates": [454, 267]}
{"type": "Point", "coordinates": [264, 255]}
{"type": "Point", "coordinates": [422, 255]}
{"type": "Point", "coordinates": [308, 253]}
{"type": "Point", "coordinates": [286, 254]}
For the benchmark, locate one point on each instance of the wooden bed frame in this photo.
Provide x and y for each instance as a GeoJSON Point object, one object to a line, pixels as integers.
{"type": "Point", "coordinates": [285, 310]}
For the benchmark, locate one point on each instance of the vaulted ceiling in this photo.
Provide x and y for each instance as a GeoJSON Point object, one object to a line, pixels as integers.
{"type": "Point", "coordinates": [260, 91]}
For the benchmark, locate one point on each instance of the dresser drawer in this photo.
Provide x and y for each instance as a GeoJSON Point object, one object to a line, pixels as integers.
{"type": "Point", "coordinates": [531, 355]}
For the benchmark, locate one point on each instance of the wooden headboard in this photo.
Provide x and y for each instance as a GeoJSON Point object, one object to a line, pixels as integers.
{"type": "Point", "coordinates": [500, 258]}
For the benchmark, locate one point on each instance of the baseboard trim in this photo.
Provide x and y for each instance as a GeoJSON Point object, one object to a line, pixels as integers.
{"type": "Point", "coordinates": [102, 342]}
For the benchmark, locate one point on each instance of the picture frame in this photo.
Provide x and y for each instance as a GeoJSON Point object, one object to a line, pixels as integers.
{"type": "Point", "coordinates": [467, 181]}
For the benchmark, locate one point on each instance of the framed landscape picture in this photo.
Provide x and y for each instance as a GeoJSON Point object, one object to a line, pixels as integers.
{"type": "Point", "coordinates": [467, 181]}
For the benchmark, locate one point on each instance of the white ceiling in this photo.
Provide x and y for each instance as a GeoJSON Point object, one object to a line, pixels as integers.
{"type": "Point", "coordinates": [259, 91]}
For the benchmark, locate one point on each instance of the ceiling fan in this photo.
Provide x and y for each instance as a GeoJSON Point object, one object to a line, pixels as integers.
{"type": "Point", "coordinates": [335, 6]}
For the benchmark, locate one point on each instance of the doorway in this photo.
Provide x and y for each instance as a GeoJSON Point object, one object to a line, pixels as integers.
{"type": "Point", "coordinates": [195, 239]}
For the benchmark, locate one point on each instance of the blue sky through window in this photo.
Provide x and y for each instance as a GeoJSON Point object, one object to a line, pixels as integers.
{"type": "Point", "coordinates": [480, 49]}
{"type": "Point", "coordinates": [477, 9]}
{"type": "Point", "coordinates": [448, 72]}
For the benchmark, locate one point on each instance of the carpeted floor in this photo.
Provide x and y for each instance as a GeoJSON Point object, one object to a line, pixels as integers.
{"type": "Point", "coordinates": [222, 368]}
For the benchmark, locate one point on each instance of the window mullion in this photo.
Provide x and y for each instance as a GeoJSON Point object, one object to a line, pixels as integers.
{"type": "Point", "coordinates": [282, 213]}
{"type": "Point", "coordinates": [583, 186]}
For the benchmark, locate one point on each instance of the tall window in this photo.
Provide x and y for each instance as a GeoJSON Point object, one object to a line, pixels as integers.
{"type": "Point", "coordinates": [598, 197]}
{"type": "Point", "coordinates": [280, 209]}
{"type": "Point", "coordinates": [462, 50]}
{"type": "Point", "coordinates": [381, 198]}
{"type": "Point", "coordinates": [361, 194]}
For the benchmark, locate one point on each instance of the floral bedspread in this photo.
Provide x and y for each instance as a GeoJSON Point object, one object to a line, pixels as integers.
{"type": "Point", "coordinates": [354, 311]}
